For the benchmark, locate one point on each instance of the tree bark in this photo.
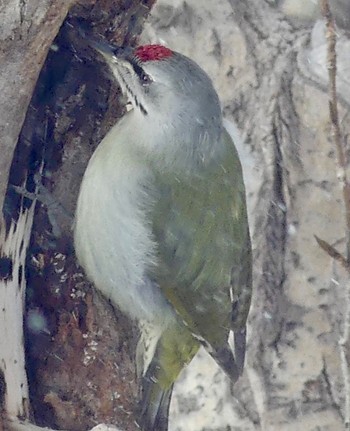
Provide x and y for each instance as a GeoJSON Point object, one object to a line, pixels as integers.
{"type": "Point", "coordinates": [27, 31]}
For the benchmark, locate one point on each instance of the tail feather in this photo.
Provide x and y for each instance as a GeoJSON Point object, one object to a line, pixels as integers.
{"type": "Point", "coordinates": [175, 348]}
{"type": "Point", "coordinates": [154, 406]}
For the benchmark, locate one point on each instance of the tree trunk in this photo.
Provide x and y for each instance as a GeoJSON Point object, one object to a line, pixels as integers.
{"type": "Point", "coordinates": [27, 31]}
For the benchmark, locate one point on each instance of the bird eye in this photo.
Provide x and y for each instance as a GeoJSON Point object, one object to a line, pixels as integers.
{"type": "Point", "coordinates": [145, 79]}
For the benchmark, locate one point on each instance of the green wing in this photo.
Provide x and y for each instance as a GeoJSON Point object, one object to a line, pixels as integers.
{"type": "Point", "coordinates": [201, 228]}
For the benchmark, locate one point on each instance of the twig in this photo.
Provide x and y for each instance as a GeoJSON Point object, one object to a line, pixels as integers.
{"type": "Point", "coordinates": [332, 252]}
{"type": "Point", "coordinates": [331, 38]}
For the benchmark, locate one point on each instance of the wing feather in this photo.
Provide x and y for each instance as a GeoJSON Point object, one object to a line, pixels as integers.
{"type": "Point", "coordinates": [201, 228]}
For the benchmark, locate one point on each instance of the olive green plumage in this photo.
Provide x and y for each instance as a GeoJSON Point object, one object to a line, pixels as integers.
{"type": "Point", "coordinates": [204, 253]}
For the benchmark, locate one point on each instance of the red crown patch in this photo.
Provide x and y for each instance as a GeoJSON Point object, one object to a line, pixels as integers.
{"type": "Point", "coordinates": [152, 52]}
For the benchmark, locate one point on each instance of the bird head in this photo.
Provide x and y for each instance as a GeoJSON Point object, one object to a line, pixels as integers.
{"type": "Point", "coordinates": [169, 92]}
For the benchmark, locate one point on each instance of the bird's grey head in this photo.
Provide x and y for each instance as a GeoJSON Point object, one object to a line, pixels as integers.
{"type": "Point", "coordinates": [171, 93]}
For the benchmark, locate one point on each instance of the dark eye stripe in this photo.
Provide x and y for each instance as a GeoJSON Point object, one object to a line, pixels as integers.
{"type": "Point", "coordinates": [140, 72]}
{"type": "Point", "coordinates": [137, 103]}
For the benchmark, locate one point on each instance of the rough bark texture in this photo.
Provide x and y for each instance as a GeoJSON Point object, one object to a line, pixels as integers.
{"type": "Point", "coordinates": [271, 76]}
{"type": "Point", "coordinates": [27, 30]}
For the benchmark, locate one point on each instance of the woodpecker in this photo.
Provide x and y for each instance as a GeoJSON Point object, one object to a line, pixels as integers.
{"type": "Point", "coordinates": [161, 223]}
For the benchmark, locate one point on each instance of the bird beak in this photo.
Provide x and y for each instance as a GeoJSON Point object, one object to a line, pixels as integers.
{"type": "Point", "coordinates": [108, 50]}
